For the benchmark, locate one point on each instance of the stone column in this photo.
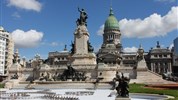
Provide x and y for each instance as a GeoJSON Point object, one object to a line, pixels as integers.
{"type": "Point", "coordinates": [168, 70]}
{"type": "Point", "coordinates": [81, 37]}
{"type": "Point", "coordinates": [164, 68]}
{"type": "Point", "coordinates": [159, 67]}
{"type": "Point", "coordinates": [169, 67]}
{"type": "Point", "coordinates": [152, 67]}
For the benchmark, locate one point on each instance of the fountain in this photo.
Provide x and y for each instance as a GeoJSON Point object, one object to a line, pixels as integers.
{"type": "Point", "coordinates": [122, 88]}
{"type": "Point", "coordinates": [79, 81]}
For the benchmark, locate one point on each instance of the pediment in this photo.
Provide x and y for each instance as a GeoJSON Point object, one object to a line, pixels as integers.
{"type": "Point", "coordinates": [109, 55]}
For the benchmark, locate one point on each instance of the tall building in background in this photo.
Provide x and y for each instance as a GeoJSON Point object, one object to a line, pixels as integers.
{"type": "Point", "coordinates": [111, 47]}
{"type": "Point", "coordinates": [6, 51]}
{"type": "Point", "coordinates": [59, 59]}
{"type": "Point", "coordinates": [176, 46]}
{"type": "Point", "coordinates": [175, 54]}
{"type": "Point", "coordinates": [160, 59]}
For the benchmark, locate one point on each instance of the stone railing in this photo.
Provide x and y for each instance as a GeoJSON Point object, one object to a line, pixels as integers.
{"type": "Point", "coordinates": [154, 73]}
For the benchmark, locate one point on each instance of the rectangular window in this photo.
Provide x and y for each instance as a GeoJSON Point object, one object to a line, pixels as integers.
{"type": "Point", "coordinates": [160, 56]}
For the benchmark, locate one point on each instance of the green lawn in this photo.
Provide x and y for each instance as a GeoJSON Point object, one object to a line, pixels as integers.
{"type": "Point", "coordinates": [1, 85]}
{"type": "Point", "coordinates": [139, 88]}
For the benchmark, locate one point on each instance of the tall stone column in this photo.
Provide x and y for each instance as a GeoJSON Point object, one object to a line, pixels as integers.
{"type": "Point", "coordinates": [169, 67]}
{"type": "Point", "coordinates": [152, 67]}
{"type": "Point", "coordinates": [81, 37]}
{"type": "Point", "coordinates": [83, 57]}
{"type": "Point", "coordinates": [159, 68]}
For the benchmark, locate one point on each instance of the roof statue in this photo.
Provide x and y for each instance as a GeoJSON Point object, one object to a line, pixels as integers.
{"type": "Point", "coordinates": [65, 48]}
{"type": "Point", "coordinates": [16, 56]}
{"type": "Point", "coordinates": [83, 17]}
{"type": "Point", "coordinates": [158, 45]}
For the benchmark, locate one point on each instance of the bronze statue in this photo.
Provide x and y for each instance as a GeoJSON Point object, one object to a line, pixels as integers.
{"type": "Point", "coordinates": [90, 48]}
{"type": "Point", "coordinates": [123, 87]}
{"type": "Point", "coordinates": [68, 73]}
{"type": "Point", "coordinates": [15, 76]}
{"type": "Point", "coordinates": [71, 73]}
{"type": "Point", "coordinates": [83, 17]}
{"type": "Point", "coordinates": [73, 48]}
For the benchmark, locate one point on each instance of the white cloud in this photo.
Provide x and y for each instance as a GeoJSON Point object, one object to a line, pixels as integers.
{"type": "Point", "coordinates": [96, 48]}
{"type": "Point", "coordinates": [54, 44]}
{"type": "Point", "coordinates": [101, 30]}
{"type": "Point", "coordinates": [28, 39]}
{"type": "Point", "coordinates": [130, 49]}
{"type": "Point", "coordinates": [170, 47]}
{"type": "Point", "coordinates": [152, 26]}
{"type": "Point", "coordinates": [34, 5]}
{"type": "Point", "coordinates": [16, 14]}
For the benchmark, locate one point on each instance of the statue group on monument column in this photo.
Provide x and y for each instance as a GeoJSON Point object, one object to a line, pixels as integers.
{"type": "Point", "coordinates": [15, 76]}
{"type": "Point", "coordinates": [122, 88]}
{"type": "Point", "coordinates": [69, 73]}
{"type": "Point", "coordinates": [83, 17]}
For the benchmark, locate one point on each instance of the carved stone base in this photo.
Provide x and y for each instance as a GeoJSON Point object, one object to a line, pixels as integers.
{"type": "Point", "coordinates": [142, 65]}
{"type": "Point", "coordinates": [87, 59]}
{"type": "Point", "coordinates": [122, 98]}
{"type": "Point", "coordinates": [69, 80]}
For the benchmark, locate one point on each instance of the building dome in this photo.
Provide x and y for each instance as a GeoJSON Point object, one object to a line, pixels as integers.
{"type": "Point", "coordinates": [111, 22]}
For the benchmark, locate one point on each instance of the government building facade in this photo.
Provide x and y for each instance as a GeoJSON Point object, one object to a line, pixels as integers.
{"type": "Point", "coordinates": [81, 63]}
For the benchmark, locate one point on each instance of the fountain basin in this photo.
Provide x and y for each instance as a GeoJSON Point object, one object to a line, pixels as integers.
{"type": "Point", "coordinates": [81, 94]}
{"type": "Point", "coordinates": [143, 96]}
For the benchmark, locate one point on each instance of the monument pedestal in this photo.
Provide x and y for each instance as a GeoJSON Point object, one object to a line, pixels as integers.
{"type": "Point", "coordinates": [85, 63]}
{"type": "Point", "coordinates": [122, 98]}
{"type": "Point", "coordinates": [84, 60]}
{"type": "Point", "coordinates": [142, 65]}
{"type": "Point", "coordinates": [82, 57]}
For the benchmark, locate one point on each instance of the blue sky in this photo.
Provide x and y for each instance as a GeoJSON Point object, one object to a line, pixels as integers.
{"type": "Point", "coordinates": [42, 26]}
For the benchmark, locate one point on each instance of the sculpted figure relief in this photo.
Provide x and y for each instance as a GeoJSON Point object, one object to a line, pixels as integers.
{"type": "Point", "coordinates": [83, 17]}
{"type": "Point", "coordinates": [15, 76]}
{"type": "Point", "coordinates": [123, 87]}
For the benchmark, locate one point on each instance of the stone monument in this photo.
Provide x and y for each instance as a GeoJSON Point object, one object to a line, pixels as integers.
{"type": "Point", "coordinates": [82, 52]}
{"type": "Point", "coordinates": [122, 88]}
{"type": "Point", "coordinates": [15, 72]}
{"type": "Point", "coordinates": [141, 64]}
{"type": "Point", "coordinates": [83, 56]}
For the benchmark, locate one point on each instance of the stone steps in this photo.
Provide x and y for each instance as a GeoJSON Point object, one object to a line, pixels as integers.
{"type": "Point", "coordinates": [147, 77]}
{"type": "Point", "coordinates": [20, 86]}
{"type": "Point", "coordinates": [72, 86]}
